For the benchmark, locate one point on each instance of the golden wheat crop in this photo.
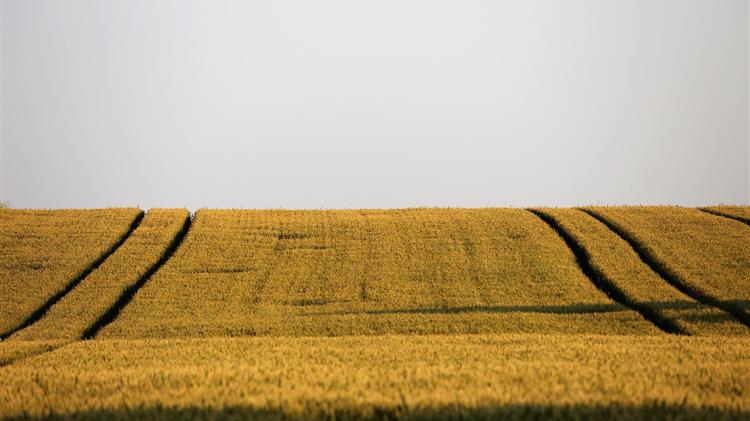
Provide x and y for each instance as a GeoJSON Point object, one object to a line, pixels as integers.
{"type": "Point", "coordinates": [489, 376]}
{"type": "Point", "coordinates": [707, 254]}
{"type": "Point", "coordinates": [546, 342]}
{"type": "Point", "coordinates": [741, 213]}
{"type": "Point", "coordinates": [12, 351]}
{"type": "Point", "coordinates": [370, 272]}
{"type": "Point", "coordinates": [43, 251]}
{"type": "Point", "coordinates": [91, 298]}
{"type": "Point", "coordinates": [620, 264]}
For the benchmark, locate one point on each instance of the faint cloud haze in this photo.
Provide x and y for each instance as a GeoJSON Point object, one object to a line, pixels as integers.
{"type": "Point", "coordinates": [340, 104]}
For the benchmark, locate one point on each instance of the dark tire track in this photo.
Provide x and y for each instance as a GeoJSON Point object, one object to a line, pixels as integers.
{"type": "Point", "coordinates": [668, 275]}
{"type": "Point", "coordinates": [42, 310]}
{"type": "Point", "coordinates": [726, 215]}
{"type": "Point", "coordinates": [606, 285]}
{"type": "Point", "coordinates": [111, 314]}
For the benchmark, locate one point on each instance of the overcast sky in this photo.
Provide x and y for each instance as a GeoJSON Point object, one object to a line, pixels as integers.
{"type": "Point", "coordinates": [341, 104]}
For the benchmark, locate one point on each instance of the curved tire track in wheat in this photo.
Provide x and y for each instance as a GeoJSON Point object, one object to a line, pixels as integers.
{"type": "Point", "coordinates": [603, 282]}
{"type": "Point", "coordinates": [127, 295]}
{"type": "Point", "coordinates": [668, 275]}
{"type": "Point", "coordinates": [42, 310]}
{"type": "Point", "coordinates": [745, 221]}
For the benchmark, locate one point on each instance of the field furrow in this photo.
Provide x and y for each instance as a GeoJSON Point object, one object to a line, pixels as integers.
{"type": "Point", "coordinates": [705, 256]}
{"type": "Point", "coordinates": [386, 377]}
{"type": "Point", "coordinates": [616, 260]}
{"type": "Point", "coordinates": [739, 213]}
{"type": "Point", "coordinates": [46, 253]}
{"type": "Point", "coordinates": [87, 305]}
{"type": "Point", "coordinates": [423, 271]}
{"type": "Point", "coordinates": [602, 280]}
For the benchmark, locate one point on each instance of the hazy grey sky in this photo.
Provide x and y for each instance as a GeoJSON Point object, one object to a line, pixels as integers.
{"type": "Point", "coordinates": [310, 104]}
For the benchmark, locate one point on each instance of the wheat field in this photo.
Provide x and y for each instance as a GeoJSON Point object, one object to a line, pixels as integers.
{"type": "Point", "coordinates": [740, 213]}
{"type": "Point", "coordinates": [430, 271]}
{"type": "Point", "coordinates": [474, 376]}
{"type": "Point", "coordinates": [589, 313]}
{"type": "Point", "coordinates": [80, 309]}
{"type": "Point", "coordinates": [705, 255]}
{"type": "Point", "coordinates": [620, 264]}
{"type": "Point", "coordinates": [43, 251]}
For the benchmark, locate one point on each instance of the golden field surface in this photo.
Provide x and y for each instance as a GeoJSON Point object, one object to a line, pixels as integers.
{"type": "Point", "coordinates": [12, 351]}
{"type": "Point", "coordinates": [80, 309]}
{"type": "Point", "coordinates": [590, 313]}
{"type": "Point", "coordinates": [741, 213]}
{"type": "Point", "coordinates": [708, 256]}
{"type": "Point", "coordinates": [427, 271]}
{"type": "Point", "coordinates": [620, 264]}
{"type": "Point", "coordinates": [43, 251]}
{"type": "Point", "coordinates": [386, 377]}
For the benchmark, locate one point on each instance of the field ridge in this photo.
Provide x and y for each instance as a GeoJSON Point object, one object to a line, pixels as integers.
{"type": "Point", "coordinates": [668, 275]}
{"type": "Point", "coordinates": [128, 294]}
{"type": "Point", "coordinates": [602, 281]}
{"type": "Point", "coordinates": [42, 310]}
